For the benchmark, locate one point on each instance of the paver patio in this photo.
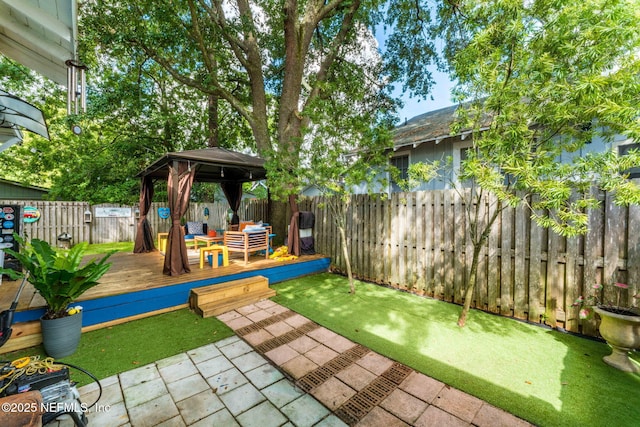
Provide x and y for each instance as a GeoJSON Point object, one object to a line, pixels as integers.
{"type": "Point", "coordinates": [288, 371]}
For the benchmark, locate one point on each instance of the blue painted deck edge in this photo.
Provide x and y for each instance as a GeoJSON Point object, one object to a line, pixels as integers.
{"type": "Point", "coordinates": [106, 309]}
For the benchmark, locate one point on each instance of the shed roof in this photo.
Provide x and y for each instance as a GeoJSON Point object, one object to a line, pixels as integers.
{"type": "Point", "coordinates": [13, 190]}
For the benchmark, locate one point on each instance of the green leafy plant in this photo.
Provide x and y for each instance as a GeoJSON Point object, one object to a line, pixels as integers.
{"type": "Point", "coordinates": [57, 275]}
{"type": "Point", "coordinates": [598, 299]}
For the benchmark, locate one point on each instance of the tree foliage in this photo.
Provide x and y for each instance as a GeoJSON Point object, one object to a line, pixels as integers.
{"type": "Point", "coordinates": [544, 79]}
{"type": "Point", "coordinates": [284, 70]}
{"type": "Point", "coordinates": [537, 82]}
{"type": "Point", "coordinates": [260, 76]}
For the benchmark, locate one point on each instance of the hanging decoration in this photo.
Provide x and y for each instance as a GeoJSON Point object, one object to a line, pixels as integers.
{"type": "Point", "coordinates": [30, 214]}
{"type": "Point", "coordinates": [76, 87]}
{"type": "Point", "coordinates": [164, 213]}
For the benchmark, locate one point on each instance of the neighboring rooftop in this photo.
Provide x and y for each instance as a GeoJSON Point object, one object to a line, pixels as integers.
{"type": "Point", "coordinates": [433, 126]}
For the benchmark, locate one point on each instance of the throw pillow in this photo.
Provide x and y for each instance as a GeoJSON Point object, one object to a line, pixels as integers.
{"type": "Point", "coordinates": [195, 227]}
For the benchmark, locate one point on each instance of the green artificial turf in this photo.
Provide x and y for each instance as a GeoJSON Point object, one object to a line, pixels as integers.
{"type": "Point", "coordinates": [109, 351]}
{"type": "Point", "coordinates": [101, 248]}
{"type": "Point", "coordinates": [547, 377]}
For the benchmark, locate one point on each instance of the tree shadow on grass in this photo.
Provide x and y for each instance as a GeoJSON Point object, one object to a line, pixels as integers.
{"type": "Point", "coordinates": [513, 365]}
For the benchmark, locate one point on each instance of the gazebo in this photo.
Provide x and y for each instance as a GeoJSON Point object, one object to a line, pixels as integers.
{"type": "Point", "coordinates": [181, 169]}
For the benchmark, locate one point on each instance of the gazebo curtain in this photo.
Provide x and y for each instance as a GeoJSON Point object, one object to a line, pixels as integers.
{"type": "Point", "coordinates": [144, 238]}
{"type": "Point", "coordinates": [233, 193]}
{"type": "Point", "coordinates": [181, 175]}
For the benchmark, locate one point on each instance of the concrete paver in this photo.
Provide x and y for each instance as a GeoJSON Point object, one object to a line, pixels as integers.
{"type": "Point", "coordinates": [404, 406]}
{"type": "Point", "coordinates": [356, 377]}
{"type": "Point", "coordinates": [187, 387]}
{"type": "Point", "coordinates": [320, 354]}
{"type": "Point", "coordinates": [299, 366]}
{"type": "Point", "coordinates": [264, 376]}
{"type": "Point", "coordinates": [282, 393]}
{"type": "Point", "coordinates": [333, 393]}
{"type": "Point", "coordinates": [242, 398]}
{"type": "Point", "coordinates": [305, 411]}
{"type": "Point", "coordinates": [276, 375]}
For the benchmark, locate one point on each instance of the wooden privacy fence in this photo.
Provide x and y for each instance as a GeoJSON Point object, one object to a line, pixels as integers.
{"type": "Point", "coordinates": [108, 223]}
{"type": "Point", "coordinates": [56, 218]}
{"type": "Point", "coordinates": [419, 242]}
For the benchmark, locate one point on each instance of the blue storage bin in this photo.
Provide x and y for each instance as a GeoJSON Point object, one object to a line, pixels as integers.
{"type": "Point", "coordinates": [220, 259]}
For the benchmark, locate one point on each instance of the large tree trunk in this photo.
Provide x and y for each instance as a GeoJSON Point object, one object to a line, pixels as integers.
{"type": "Point", "coordinates": [278, 221]}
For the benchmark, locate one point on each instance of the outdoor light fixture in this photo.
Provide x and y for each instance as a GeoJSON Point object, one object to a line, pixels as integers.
{"type": "Point", "coordinates": [76, 86]}
{"type": "Point", "coordinates": [222, 172]}
{"type": "Point", "coordinates": [250, 175]}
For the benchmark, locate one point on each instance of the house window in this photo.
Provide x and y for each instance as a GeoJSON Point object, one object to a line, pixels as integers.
{"type": "Point", "coordinates": [402, 164]}
{"type": "Point", "coordinates": [460, 154]}
{"type": "Point", "coordinates": [624, 149]}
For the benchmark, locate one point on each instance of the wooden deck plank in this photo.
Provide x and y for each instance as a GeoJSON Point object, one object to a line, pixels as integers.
{"type": "Point", "coordinates": [135, 288]}
{"type": "Point", "coordinates": [136, 272]}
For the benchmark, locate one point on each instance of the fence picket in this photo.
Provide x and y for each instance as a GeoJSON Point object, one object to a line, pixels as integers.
{"type": "Point", "coordinates": [536, 290]}
{"type": "Point", "coordinates": [519, 265]}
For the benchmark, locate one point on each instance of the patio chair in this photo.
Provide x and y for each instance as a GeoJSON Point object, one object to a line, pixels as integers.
{"type": "Point", "coordinates": [248, 242]}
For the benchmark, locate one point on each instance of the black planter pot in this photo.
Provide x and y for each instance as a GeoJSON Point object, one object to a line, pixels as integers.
{"type": "Point", "coordinates": [61, 337]}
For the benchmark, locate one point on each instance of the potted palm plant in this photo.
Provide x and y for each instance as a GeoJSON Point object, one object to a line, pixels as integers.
{"type": "Point", "coordinates": [59, 277]}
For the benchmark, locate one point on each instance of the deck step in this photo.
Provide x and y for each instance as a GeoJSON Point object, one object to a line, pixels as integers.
{"type": "Point", "coordinates": [218, 298]}
{"type": "Point", "coordinates": [207, 294]}
{"type": "Point", "coordinates": [228, 304]}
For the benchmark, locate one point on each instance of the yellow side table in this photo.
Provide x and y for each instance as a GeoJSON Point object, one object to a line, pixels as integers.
{"type": "Point", "coordinates": [214, 251]}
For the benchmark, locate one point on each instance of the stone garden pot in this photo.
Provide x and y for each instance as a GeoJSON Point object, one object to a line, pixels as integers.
{"type": "Point", "coordinates": [622, 333]}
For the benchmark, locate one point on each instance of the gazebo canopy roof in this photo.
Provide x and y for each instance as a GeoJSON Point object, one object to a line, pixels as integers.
{"type": "Point", "coordinates": [213, 165]}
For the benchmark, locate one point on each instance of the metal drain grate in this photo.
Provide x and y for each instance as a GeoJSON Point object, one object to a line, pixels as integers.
{"type": "Point", "coordinates": [321, 374]}
{"type": "Point", "coordinates": [314, 378]}
{"type": "Point", "coordinates": [379, 389]}
{"type": "Point", "coordinates": [397, 373]}
{"type": "Point", "coordinates": [254, 327]}
{"type": "Point", "coordinates": [345, 359]}
{"type": "Point", "coordinates": [286, 338]}
{"type": "Point", "coordinates": [361, 403]}
{"type": "Point", "coordinates": [353, 410]}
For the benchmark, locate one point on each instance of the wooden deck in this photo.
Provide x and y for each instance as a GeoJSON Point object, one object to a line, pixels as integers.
{"type": "Point", "coordinates": [135, 287]}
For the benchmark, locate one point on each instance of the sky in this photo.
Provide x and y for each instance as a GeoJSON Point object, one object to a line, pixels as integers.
{"type": "Point", "coordinates": [441, 92]}
{"type": "Point", "coordinates": [441, 95]}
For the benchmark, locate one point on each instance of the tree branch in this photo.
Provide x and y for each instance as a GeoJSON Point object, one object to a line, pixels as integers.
{"type": "Point", "coordinates": [329, 59]}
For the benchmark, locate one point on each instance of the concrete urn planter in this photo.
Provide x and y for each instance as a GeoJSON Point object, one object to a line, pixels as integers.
{"type": "Point", "coordinates": [622, 333]}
